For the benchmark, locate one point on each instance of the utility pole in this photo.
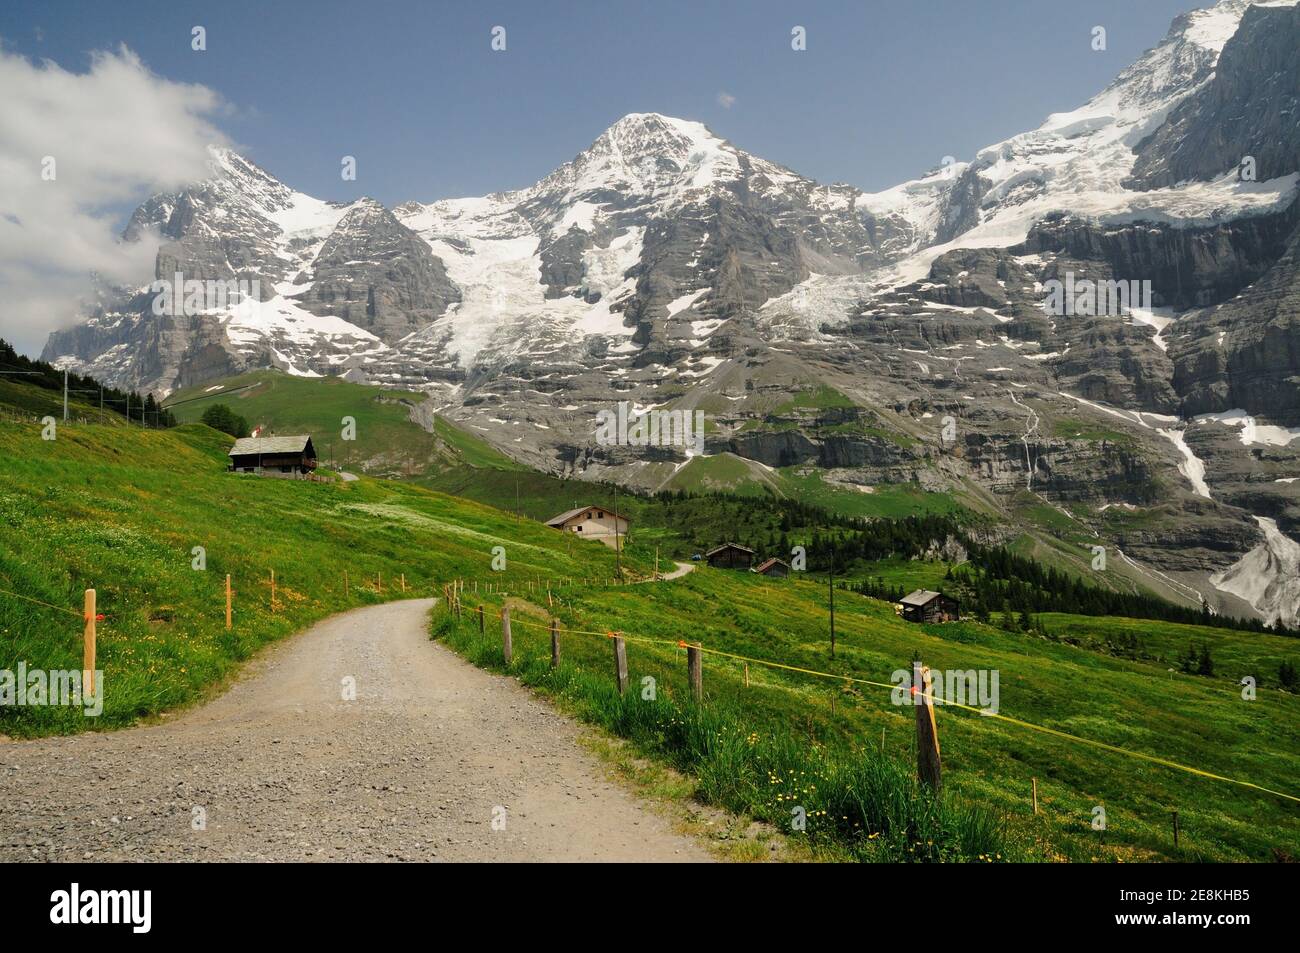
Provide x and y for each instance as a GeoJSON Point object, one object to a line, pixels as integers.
{"type": "Point", "coordinates": [516, 500]}
{"type": "Point", "coordinates": [618, 549]}
{"type": "Point", "coordinates": [65, 396]}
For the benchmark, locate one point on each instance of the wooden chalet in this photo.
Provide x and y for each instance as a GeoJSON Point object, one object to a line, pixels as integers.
{"type": "Point", "coordinates": [290, 458]}
{"type": "Point", "coordinates": [592, 522]}
{"type": "Point", "coordinates": [773, 567]}
{"type": "Point", "coordinates": [730, 556]}
{"type": "Point", "coordinates": [925, 605]}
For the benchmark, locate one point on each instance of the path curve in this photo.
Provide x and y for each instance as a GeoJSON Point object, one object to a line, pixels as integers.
{"type": "Point", "coordinates": [284, 768]}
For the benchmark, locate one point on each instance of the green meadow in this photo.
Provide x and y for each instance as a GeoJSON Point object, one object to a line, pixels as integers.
{"type": "Point", "coordinates": [785, 722]}
{"type": "Point", "coordinates": [122, 509]}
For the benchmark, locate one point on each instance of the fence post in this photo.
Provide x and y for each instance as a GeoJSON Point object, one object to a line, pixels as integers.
{"type": "Point", "coordinates": [555, 643]}
{"type": "Point", "coordinates": [927, 733]}
{"type": "Point", "coordinates": [1035, 784]}
{"type": "Point", "coordinates": [620, 662]}
{"type": "Point", "coordinates": [88, 647]}
{"type": "Point", "coordinates": [227, 600]}
{"type": "Point", "coordinates": [381, 581]}
{"type": "Point", "coordinates": [506, 647]}
{"type": "Point", "coordinates": [694, 672]}
{"type": "Point", "coordinates": [347, 588]}
{"type": "Point", "coordinates": [403, 582]}
{"type": "Point", "coordinates": [272, 590]}
{"type": "Point", "coordinates": [480, 618]}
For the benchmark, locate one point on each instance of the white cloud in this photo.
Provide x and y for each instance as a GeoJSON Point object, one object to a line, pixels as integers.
{"type": "Point", "coordinates": [117, 133]}
{"type": "Point", "coordinates": [726, 100]}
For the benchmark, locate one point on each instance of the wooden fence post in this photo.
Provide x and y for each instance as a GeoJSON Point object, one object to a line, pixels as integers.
{"type": "Point", "coordinates": [347, 587]}
{"type": "Point", "coordinates": [273, 590]}
{"type": "Point", "coordinates": [555, 643]}
{"type": "Point", "coordinates": [928, 767]}
{"type": "Point", "coordinates": [227, 600]}
{"type": "Point", "coordinates": [480, 618]}
{"type": "Point", "coordinates": [694, 672]}
{"type": "Point", "coordinates": [380, 583]}
{"type": "Point", "coordinates": [88, 646]}
{"type": "Point", "coordinates": [403, 582]}
{"type": "Point", "coordinates": [746, 674]}
{"type": "Point", "coordinates": [620, 663]}
{"type": "Point", "coordinates": [1035, 785]}
{"type": "Point", "coordinates": [506, 647]}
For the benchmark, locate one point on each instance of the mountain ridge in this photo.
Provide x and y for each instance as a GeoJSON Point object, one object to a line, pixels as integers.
{"type": "Point", "coordinates": [666, 267]}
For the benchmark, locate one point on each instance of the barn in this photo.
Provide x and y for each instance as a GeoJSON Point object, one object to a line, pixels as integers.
{"type": "Point", "coordinates": [773, 567]}
{"type": "Point", "coordinates": [592, 522]}
{"type": "Point", "coordinates": [730, 556]}
{"type": "Point", "coordinates": [925, 605]}
{"type": "Point", "coordinates": [290, 458]}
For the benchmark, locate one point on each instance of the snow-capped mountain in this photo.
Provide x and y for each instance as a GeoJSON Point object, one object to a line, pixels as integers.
{"type": "Point", "coordinates": [666, 267]}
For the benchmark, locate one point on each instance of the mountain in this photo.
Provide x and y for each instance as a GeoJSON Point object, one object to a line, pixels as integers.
{"type": "Point", "coordinates": [829, 334]}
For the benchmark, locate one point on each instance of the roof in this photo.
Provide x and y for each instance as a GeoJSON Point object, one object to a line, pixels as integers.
{"type": "Point", "coordinates": [769, 563]}
{"type": "Point", "coordinates": [920, 597]}
{"type": "Point", "coordinates": [570, 514]}
{"type": "Point", "coordinates": [718, 549]}
{"type": "Point", "coordinates": [247, 445]}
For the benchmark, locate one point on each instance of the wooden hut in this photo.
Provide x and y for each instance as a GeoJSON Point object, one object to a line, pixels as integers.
{"type": "Point", "coordinates": [286, 457]}
{"type": "Point", "coordinates": [925, 605]}
{"type": "Point", "coordinates": [773, 567]}
{"type": "Point", "coordinates": [730, 556]}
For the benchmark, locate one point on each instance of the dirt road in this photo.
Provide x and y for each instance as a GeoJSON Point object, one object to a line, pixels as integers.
{"type": "Point", "coordinates": [430, 753]}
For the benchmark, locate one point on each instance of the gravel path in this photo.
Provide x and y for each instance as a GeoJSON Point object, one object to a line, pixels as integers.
{"type": "Point", "coordinates": [415, 768]}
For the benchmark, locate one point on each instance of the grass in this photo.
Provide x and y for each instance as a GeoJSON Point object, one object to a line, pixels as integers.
{"type": "Point", "coordinates": [821, 397]}
{"type": "Point", "coordinates": [868, 807]}
{"type": "Point", "coordinates": [747, 742]}
{"type": "Point", "coordinates": [121, 509]}
{"type": "Point", "coordinates": [893, 500]}
{"type": "Point", "coordinates": [388, 442]}
{"type": "Point", "coordinates": [725, 471]}
{"type": "Point", "coordinates": [1236, 656]}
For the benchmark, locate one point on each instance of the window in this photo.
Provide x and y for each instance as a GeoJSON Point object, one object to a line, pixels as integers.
{"type": "Point", "coordinates": [599, 515]}
{"type": "Point", "coordinates": [577, 529]}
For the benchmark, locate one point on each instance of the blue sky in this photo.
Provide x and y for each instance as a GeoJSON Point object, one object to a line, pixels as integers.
{"type": "Point", "coordinates": [413, 90]}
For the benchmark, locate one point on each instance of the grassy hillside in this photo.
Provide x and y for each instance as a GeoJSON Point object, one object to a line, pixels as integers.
{"type": "Point", "coordinates": [785, 721]}
{"type": "Point", "coordinates": [121, 509]}
{"type": "Point", "coordinates": [387, 443]}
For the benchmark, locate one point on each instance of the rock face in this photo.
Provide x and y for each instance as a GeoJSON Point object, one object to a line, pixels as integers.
{"type": "Point", "coordinates": [375, 273]}
{"type": "Point", "coordinates": [1245, 352]}
{"type": "Point", "coordinates": [1248, 109]}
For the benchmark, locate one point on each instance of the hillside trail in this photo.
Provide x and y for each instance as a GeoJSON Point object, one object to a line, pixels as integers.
{"type": "Point", "coordinates": [434, 760]}
{"type": "Point", "coordinates": [681, 570]}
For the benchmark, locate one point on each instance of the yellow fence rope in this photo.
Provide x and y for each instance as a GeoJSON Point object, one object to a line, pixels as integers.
{"type": "Point", "coordinates": [48, 605]}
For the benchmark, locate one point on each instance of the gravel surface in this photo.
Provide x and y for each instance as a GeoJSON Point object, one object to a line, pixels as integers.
{"type": "Point", "coordinates": [417, 767]}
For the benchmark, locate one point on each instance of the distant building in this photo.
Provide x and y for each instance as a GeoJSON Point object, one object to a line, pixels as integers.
{"type": "Point", "coordinates": [290, 458]}
{"type": "Point", "coordinates": [730, 556]}
{"type": "Point", "coordinates": [592, 522]}
{"type": "Point", "coordinates": [924, 605]}
{"type": "Point", "coordinates": [773, 567]}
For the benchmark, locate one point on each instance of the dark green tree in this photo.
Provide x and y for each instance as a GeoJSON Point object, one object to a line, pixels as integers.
{"type": "Point", "coordinates": [220, 417]}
